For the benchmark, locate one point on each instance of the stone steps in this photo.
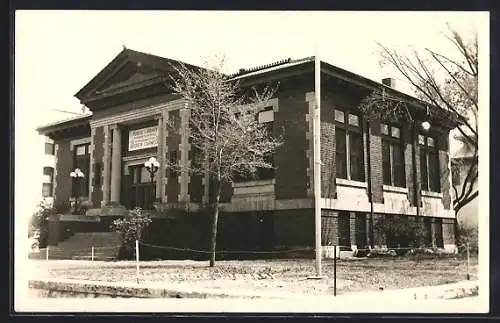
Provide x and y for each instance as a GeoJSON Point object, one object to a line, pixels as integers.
{"type": "Point", "coordinates": [79, 246]}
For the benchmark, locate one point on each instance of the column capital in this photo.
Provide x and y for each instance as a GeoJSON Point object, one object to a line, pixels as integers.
{"type": "Point", "coordinates": [115, 126]}
{"type": "Point", "coordinates": [158, 116]}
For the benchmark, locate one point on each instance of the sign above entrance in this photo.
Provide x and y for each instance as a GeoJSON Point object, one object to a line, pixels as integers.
{"type": "Point", "coordinates": [143, 138]}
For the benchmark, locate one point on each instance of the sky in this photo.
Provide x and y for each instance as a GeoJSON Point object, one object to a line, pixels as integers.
{"type": "Point", "coordinates": [57, 52]}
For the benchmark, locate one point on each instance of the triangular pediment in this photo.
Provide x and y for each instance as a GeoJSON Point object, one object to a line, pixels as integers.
{"type": "Point", "coordinates": [129, 75]}
{"type": "Point", "coordinates": [128, 69]}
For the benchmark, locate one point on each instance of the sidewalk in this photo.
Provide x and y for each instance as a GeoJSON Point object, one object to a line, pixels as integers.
{"type": "Point", "coordinates": [165, 290]}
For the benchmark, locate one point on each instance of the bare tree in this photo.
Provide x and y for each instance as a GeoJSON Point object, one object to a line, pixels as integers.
{"type": "Point", "coordinates": [224, 131]}
{"type": "Point", "coordinates": [449, 82]}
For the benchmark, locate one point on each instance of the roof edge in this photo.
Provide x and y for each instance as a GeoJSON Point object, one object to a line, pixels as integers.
{"type": "Point", "coordinates": [45, 128]}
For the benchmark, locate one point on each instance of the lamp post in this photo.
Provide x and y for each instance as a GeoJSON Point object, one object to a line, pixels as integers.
{"type": "Point", "coordinates": [152, 165]}
{"type": "Point", "coordinates": [76, 175]}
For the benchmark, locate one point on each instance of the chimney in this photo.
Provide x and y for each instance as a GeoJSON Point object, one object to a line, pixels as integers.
{"type": "Point", "coordinates": [390, 82]}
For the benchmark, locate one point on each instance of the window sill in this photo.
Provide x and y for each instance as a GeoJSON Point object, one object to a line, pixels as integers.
{"type": "Point", "coordinates": [346, 182]}
{"type": "Point", "coordinates": [432, 194]}
{"type": "Point", "coordinates": [395, 189]}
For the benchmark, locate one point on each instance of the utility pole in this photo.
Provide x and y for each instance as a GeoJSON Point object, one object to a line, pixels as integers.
{"type": "Point", "coordinates": [317, 161]}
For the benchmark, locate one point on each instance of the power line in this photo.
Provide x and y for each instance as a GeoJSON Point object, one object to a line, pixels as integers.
{"type": "Point", "coordinates": [65, 111]}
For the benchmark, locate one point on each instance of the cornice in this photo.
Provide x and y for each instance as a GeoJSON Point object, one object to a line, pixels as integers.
{"type": "Point", "coordinates": [138, 113]}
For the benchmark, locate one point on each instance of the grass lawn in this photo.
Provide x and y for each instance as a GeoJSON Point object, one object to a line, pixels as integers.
{"type": "Point", "coordinates": [269, 275]}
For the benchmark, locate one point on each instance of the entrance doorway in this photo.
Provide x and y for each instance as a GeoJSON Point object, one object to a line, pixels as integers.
{"type": "Point", "coordinates": [141, 189]}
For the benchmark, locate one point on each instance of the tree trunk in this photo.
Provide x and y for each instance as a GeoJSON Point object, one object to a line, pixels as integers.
{"type": "Point", "coordinates": [456, 233]}
{"type": "Point", "coordinates": [215, 221]}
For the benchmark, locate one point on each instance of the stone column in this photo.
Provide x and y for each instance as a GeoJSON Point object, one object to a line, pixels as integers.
{"type": "Point", "coordinates": [91, 163]}
{"type": "Point", "coordinates": [106, 167]}
{"type": "Point", "coordinates": [116, 159]}
{"type": "Point", "coordinates": [161, 159]}
{"type": "Point", "coordinates": [164, 144]}
{"type": "Point", "coordinates": [184, 148]}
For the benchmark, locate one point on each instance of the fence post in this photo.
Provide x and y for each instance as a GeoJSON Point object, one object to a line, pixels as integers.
{"type": "Point", "coordinates": [92, 253]}
{"type": "Point", "coordinates": [468, 261]}
{"type": "Point", "coordinates": [137, 259]}
{"type": "Point", "coordinates": [47, 253]}
{"type": "Point", "coordinates": [335, 271]}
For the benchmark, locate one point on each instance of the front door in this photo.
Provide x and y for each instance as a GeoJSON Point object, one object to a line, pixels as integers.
{"type": "Point", "coordinates": [141, 188]}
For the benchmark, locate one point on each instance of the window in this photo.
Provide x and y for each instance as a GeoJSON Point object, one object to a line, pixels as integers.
{"type": "Point", "coordinates": [429, 164]}
{"type": "Point", "coordinates": [349, 146]}
{"type": "Point", "coordinates": [48, 180]}
{"type": "Point", "coordinates": [393, 166]}
{"type": "Point", "coordinates": [81, 160]}
{"type": "Point", "coordinates": [49, 148]}
{"type": "Point", "coordinates": [266, 116]}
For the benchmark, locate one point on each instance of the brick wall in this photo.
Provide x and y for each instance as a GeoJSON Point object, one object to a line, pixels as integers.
{"type": "Point", "coordinates": [172, 188]}
{"type": "Point", "coordinates": [377, 179]}
{"type": "Point", "coordinates": [64, 166]}
{"type": "Point", "coordinates": [291, 177]}
{"type": "Point", "coordinates": [195, 186]}
{"type": "Point", "coordinates": [126, 183]}
{"type": "Point", "coordinates": [294, 228]}
{"type": "Point", "coordinates": [256, 231]}
{"type": "Point", "coordinates": [352, 227]}
{"type": "Point", "coordinates": [438, 230]}
{"type": "Point", "coordinates": [97, 180]}
{"type": "Point", "coordinates": [328, 161]}
{"type": "Point", "coordinates": [360, 230]}
{"type": "Point", "coordinates": [344, 229]}
{"type": "Point", "coordinates": [226, 192]}
{"type": "Point", "coordinates": [418, 174]}
{"type": "Point", "coordinates": [444, 170]}
{"type": "Point", "coordinates": [448, 231]}
{"type": "Point", "coordinates": [410, 183]}
{"type": "Point", "coordinates": [379, 237]}
{"type": "Point", "coordinates": [329, 227]}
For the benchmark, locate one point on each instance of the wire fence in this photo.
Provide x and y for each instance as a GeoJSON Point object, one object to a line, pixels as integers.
{"type": "Point", "coordinates": [327, 250]}
{"type": "Point", "coordinates": [336, 260]}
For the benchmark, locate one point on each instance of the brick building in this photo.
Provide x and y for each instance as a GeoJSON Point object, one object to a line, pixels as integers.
{"type": "Point", "coordinates": [368, 174]}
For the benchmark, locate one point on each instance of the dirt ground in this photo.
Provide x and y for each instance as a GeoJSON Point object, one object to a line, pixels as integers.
{"type": "Point", "coordinates": [353, 275]}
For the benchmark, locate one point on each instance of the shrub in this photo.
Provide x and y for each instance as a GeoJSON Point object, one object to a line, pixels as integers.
{"type": "Point", "coordinates": [467, 235]}
{"type": "Point", "coordinates": [63, 207]}
{"type": "Point", "coordinates": [380, 253]}
{"type": "Point", "coordinates": [130, 229]}
{"type": "Point", "coordinates": [82, 207]}
{"type": "Point", "coordinates": [39, 222]}
{"type": "Point", "coordinates": [401, 231]}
